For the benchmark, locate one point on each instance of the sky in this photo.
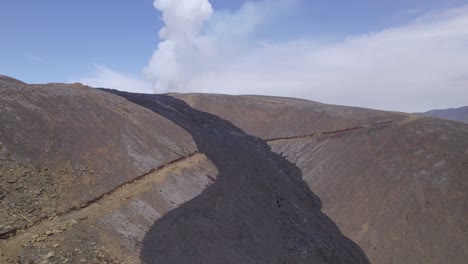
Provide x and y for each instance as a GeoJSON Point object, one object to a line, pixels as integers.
{"type": "Point", "coordinates": [403, 55]}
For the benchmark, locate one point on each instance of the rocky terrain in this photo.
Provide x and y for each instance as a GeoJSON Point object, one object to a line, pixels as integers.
{"type": "Point", "coordinates": [98, 176]}
{"type": "Point", "coordinates": [277, 117]}
{"type": "Point", "coordinates": [84, 174]}
{"type": "Point", "coordinates": [394, 183]}
{"type": "Point", "coordinates": [258, 211]}
{"type": "Point", "coordinates": [456, 114]}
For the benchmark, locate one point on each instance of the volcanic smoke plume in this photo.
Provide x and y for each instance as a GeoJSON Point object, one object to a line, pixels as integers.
{"type": "Point", "coordinates": [181, 42]}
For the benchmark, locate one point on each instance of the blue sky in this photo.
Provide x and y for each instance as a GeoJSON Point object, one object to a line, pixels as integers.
{"type": "Point", "coordinates": [60, 41]}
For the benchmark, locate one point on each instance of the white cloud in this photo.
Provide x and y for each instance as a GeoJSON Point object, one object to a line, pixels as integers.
{"type": "Point", "coordinates": [195, 40]}
{"type": "Point", "coordinates": [415, 67]}
{"type": "Point", "coordinates": [104, 77]}
{"type": "Point", "coordinates": [182, 43]}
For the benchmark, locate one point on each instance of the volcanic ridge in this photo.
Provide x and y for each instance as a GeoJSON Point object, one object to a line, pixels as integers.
{"type": "Point", "coordinates": [102, 176]}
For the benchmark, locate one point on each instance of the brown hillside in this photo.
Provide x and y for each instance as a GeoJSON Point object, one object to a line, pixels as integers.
{"type": "Point", "coordinates": [394, 183]}
{"type": "Point", "coordinates": [66, 154]}
{"type": "Point", "coordinates": [87, 176]}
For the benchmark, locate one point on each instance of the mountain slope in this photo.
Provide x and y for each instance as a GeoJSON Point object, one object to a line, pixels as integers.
{"type": "Point", "coordinates": [456, 114]}
{"type": "Point", "coordinates": [258, 211]}
{"type": "Point", "coordinates": [273, 117]}
{"type": "Point", "coordinates": [87, 170]}
{"type": "Point", "coordinates": [394, 183]}
{"type": "Point", "coordinates": [81, 141]}
{"type": "Point", "coordinates": [407, 181]}
{"type": "Point", "coordinates": [7, 81]}
{"type": "Point", "coordinates": [84, 175]}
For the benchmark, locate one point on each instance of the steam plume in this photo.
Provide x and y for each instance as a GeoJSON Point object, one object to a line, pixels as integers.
{"type": "Point", "coordinates": [182, 42]}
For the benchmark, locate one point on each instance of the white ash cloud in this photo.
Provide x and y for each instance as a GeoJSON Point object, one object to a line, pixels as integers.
{"type": "Point", "coordinates": [413, 67]}
{"type": "Point", "coordinates": [182, 42]}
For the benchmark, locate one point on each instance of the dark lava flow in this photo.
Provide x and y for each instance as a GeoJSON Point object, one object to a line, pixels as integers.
{"type": "Point", "coordinates": [259, 210]}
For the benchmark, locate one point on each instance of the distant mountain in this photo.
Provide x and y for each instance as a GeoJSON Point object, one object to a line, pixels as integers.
{"type": "Point", "coordinates": [457, 114]}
